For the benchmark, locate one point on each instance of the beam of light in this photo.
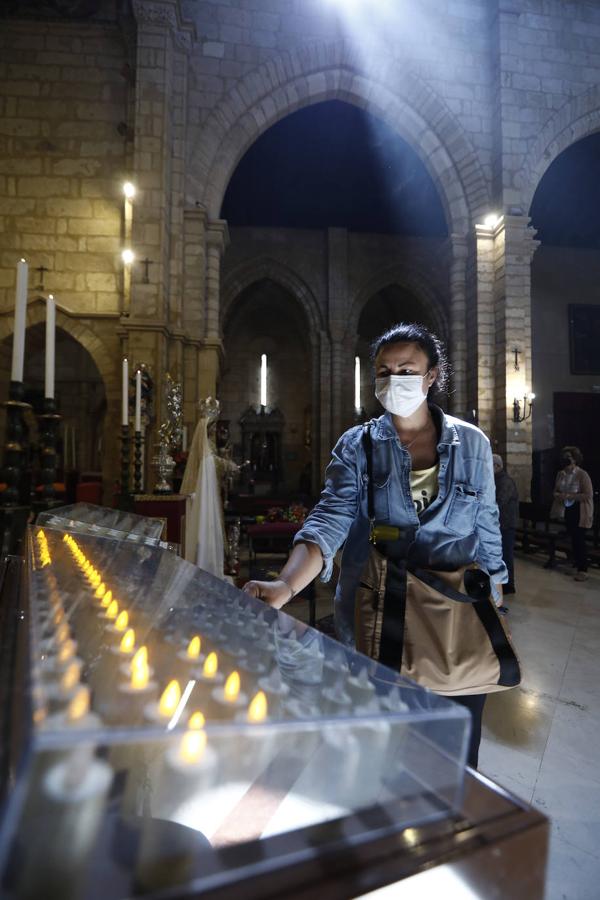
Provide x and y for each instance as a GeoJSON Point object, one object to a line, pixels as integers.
{"type": "Point", "coordinates": [357, 403]}
{"type": "Point", "coordinates": [263, 380]}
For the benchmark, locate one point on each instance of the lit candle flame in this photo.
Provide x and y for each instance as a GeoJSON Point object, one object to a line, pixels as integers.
{"type": "Point", "coordinates": [106, 600]}
{"type": "Point", "coordinates": [100, 591]}
{"type": "Point", "coordinates": [196, 721]}
{"type": "Point", "coordinates": [232, 687]}
{"type": "Point", "coordinates": [66, 652]}
{"type": "Point", "coordinates": [127, 641]}
{"type": "Point", "coordinates": [79, 705]}
{"type": "Point", "coordinates": [192, 746]}
{"type": "Point", "coordinates": [193, 650]}
{"type": "Point", "coordinates": [211, 664]}
{"type": "Point", "coordinates": [62, 633]}
{"type": "Point", "coordinates": [140, 674]}
{"type": "Point", "coordinates": [71, 677]}
{"type": "Point", "coordinates": [257, 711]}
{"type": "Point", "coordinates": [122, 620]}
{"type": "Point", "coordinates": [169, 700]}
{"type": "Point", "coordinates": [112, 611]}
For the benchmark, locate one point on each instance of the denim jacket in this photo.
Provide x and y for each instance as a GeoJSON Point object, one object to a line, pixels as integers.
{"type": "Point", "coordinates": [459, 527]}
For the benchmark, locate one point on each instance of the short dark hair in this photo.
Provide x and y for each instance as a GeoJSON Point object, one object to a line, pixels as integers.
{"type": "Point", "coordinates": [430, 344]}
{"type": "Point", "coordinates": [575, 453]}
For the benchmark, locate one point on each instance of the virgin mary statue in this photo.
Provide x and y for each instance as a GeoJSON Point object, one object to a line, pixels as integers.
{"type": "Point", "coordinates": [204, 545]}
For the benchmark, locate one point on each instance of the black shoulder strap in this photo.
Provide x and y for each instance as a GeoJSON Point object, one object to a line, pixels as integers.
{"type": "Point", "coordinates": [368, 448]}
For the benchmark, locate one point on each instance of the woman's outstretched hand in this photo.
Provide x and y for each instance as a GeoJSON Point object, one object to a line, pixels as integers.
{"type": "Point", "coordinates": [275, 593]}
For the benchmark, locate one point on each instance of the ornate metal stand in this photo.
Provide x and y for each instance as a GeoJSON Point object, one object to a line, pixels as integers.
{"type": "Point", "coordinates": [48, 426]}
{"type": "Point", "coordinates": [125, 499]}
{"type": "Point", "coordinates": [137, 463]}
{"type": "Point", "coordinates": [14, 506]}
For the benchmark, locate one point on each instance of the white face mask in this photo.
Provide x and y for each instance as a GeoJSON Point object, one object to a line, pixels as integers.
{"type": "Point", "coordinates": [401, 395]}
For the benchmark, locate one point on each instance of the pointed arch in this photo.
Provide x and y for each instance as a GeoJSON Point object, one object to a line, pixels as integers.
{"type": "Point", "coordinates": [414, 281]}
{"type": "Point", "coordinates": [331, 70]}
{"type": "Point", "coordinates": [36, 313]}
{"type": "Point", "coordinates": [248, 273]}
{"type": "Point", "coordinates": [575, 120]}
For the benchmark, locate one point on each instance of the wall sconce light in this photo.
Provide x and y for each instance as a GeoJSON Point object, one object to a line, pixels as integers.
{"type": "Point", "coordinates": [519, 416]}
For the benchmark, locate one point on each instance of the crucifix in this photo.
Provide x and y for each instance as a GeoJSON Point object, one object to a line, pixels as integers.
{"type": "Point", "coordinates": [146, 263]}
{"type": "Point", "coordinates": [41, 270]}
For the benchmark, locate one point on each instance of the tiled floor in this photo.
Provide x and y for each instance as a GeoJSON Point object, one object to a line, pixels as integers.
{"type": "Point", "coordinates": [542, 740]}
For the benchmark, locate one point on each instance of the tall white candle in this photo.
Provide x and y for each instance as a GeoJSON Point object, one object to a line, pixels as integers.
{"type": "Point", "coordinates": [125, 407]}
{"type": "Point", "coordinates": [18, 350]}
{"type": "Point", "coordinates": [50, 346]}
{"type": "Point", "coordinates": [263, 379]}
{"type": "Point", "coordinates": [138, 400]}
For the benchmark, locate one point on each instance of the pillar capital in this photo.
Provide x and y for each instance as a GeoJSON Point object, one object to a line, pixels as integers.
{"type": "Point", "coordinates": [217, 235]}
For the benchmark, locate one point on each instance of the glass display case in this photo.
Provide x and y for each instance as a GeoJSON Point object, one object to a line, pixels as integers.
{"type": "Point", "coordinates": [85, 518]}
{"type": "Point", "coordinates": [182, 738]}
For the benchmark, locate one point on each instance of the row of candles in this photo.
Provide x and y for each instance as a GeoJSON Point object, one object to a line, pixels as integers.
{"type": "Point", "coordinates": [139, 694]}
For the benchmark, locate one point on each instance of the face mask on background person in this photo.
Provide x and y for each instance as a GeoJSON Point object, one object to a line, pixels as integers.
{"type": "Point", "coordinates": [401, 395]}
{"type": "Point", "coordinates": [565, 461]}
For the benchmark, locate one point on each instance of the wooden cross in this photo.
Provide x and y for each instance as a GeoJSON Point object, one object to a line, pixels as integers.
{"type": "Point", "coordinates": [41, 270]}
{"type": "Point", "coordinates": [146, 263]}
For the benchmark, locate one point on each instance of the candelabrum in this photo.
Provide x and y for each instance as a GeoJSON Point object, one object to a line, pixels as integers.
{"type": "Point", "coordinates": [14, 452]}
{"type": "Point", "coordinates": [137, 463]}
{"type": "Point", "coordinates": [125, 461]}
{"type": "Point", "coordinates": [48, 428]}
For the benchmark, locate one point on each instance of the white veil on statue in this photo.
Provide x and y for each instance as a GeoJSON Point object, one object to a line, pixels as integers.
{"type": "Point", "coordinates": [204, 544]}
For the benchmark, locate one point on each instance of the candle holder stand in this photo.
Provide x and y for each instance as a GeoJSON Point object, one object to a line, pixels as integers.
{"type": "Point", "coordinates": [125, 498]}
{"type": "Point", "coordinates": [48, 423]}
{"type": "Point", "coordinates": [137, 463]}
{"type": "Point", "coordinates": [14, 499]}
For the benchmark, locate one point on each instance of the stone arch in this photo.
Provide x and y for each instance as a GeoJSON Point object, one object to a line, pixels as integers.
{"type": "Point", "coordinates": [36, 313]}
{"type": "Point", "coordinates": [408, 278]}
{"type": "Point", "coordinates": [264, 267]}
{"type": "Point", "coordinates": [575, 120]}
{"type": "Point", "coordinates": [331, 70]}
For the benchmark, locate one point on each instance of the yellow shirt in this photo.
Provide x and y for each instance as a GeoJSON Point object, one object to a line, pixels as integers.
{"type": "Point", "coordinates": [424, 487]}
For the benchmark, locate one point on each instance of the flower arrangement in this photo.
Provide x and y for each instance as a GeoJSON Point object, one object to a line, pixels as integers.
{"type": "Point", "coordinates": [295, 513]}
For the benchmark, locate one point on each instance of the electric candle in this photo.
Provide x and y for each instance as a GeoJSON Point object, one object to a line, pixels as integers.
{"type": "Point", "coordinates": [18, 348]}
{"type": "Point", "coordinates": [125, 397]}
{"type": "Point", "coordinates": [228, 699]}
{"type": "Point", "coordinates": [162, 712]}
{"type": "Point", "coordinates": [138, 400]}
{"type": "Point", "coordinates": [188, 770]}
{"type": "Point", "coordinates": [114, 633]}
{"type": "Point", "coordinates": [70, 800]}
{"type": "Point", "coordinates": [257, 711]}
{"type": "Point", "coordinates": [360, 688]}
{"type": "Point", "coordinates": [209, 673]}
{"type": "Point", "coordinates": [50, 347]}
{"type": "Point", "coordinates": [188, 659]}
{"type": "Point", "coordinates": [128, 701]}
{"type": "Point", "coordinates": [275, 690]}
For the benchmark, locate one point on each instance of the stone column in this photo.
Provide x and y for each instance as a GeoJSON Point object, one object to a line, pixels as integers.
{"type": "Point", "coordinates": [338, 312]}
{"type": "Point", "coordinates": [513, 252]}
{"type": "Point", "coordinates": [481, 334]}
{"type": "Point", "coordinates": [458, 254]}
{"type": "Point", "coordinates": [209, 357]}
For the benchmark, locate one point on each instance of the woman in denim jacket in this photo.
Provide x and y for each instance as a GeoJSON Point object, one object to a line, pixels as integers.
{"type": "Point", "coordinates": [430, 471]}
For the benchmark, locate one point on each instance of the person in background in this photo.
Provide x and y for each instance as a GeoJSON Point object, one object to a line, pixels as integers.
{"type": "Point", "coordinates": [507, 498]}
{"type": "Point", "coordinates": [574, 501]}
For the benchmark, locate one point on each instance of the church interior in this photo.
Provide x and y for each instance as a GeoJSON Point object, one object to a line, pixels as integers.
{"type": "Point", "coordinates": [210, 210]}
